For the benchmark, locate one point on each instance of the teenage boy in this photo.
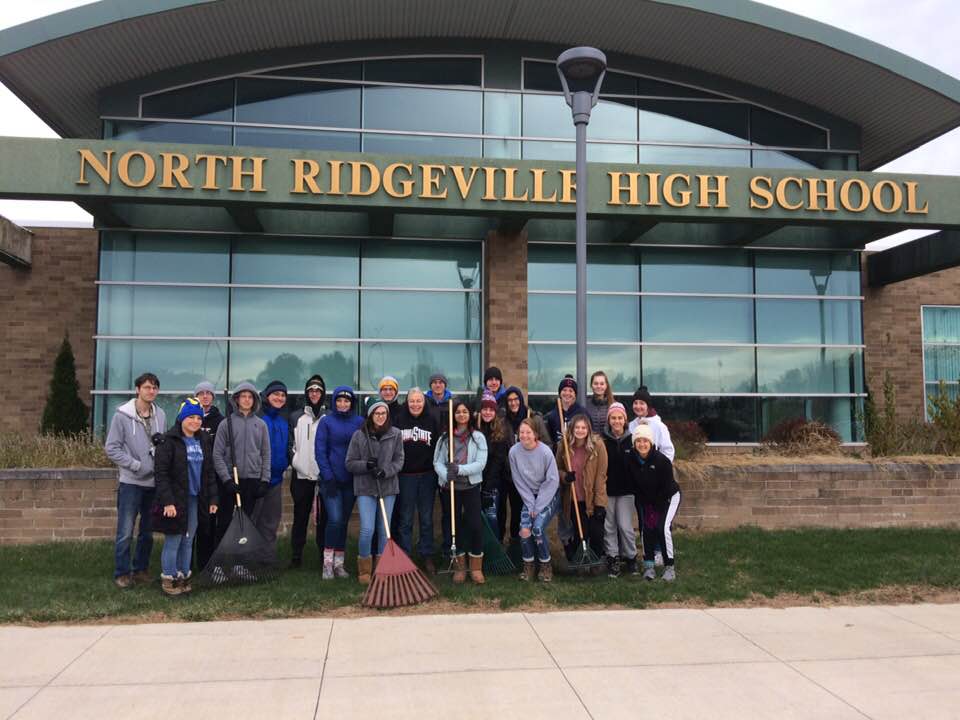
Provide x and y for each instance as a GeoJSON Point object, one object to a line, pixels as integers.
{"type": "Point", "coordinates": [212, 417]}
{"type": "Point", "coordinates": [493, 381]}
{"type": "Point", "coordinates": [129, 446]}
{"type": "Point", "coordinates": [389, 389]}
{"type": "Point", "coordinates": [277, 418]}
{"type": "Point", "coordinates": [303, 483]}
{"type": "Point", "coordinates": [251, 448]}
{"type": "Point", "coordinates": [210, 527]}
{"type": "Point", "coordinates": [567, 391]}
{"type": "Point", "coordinates": [438, 397]}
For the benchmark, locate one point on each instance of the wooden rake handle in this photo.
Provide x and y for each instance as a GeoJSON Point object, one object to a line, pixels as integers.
{"type": "Point", "coordinates": [566, 455]}
{"type": "Point", "coordinates": [453, 513]}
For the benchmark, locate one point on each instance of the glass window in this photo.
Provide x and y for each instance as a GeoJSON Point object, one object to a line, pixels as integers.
{"type": "Point", "coordinates": [332, 70]}
{"type": "Point", "coordinates": [179, 365]}
{"type": "Point", "coordinates": [548, 116]}
{"type": "Point", "coordinates": [831, 322]}
{"type": "Point", "coordinates": [810, 370]}
{"type": "Point", "coordinates": [610, 318]}
{"type": "Point", "coordinates": [549, 363]}
{"type": "Point", "coordinates": [155, 257]}
{"type": "Point", "coordinates": [105, 406]}
{"type": "Point", "coordinates": [804, 160]}
{"type": "Point", "coordinates": [210, 101]}
{"type": "Point", "coordinates": [612, 269]}
{"type": "Point", "coordinates": [680, 155]}
{"type": "Point", "coordinates": [690, 319]}
{"type": "Point", "coordinates": [422, 110]}
{"type": "Point", "coordinates": [294, 313]}
{"type": "Point", "coordinates": [698, 369]}
{"type": "Point", "coordinates": [501, 116]}
{"type": "Point", "coordinates": [808, 273]}
{"type": "Point", "coordinates": [769, 128]}
{"type": "Point", "coordinates": [292, 102]}
{"type": "Point", "coordinates": [941, 351]}
{"type": "Point", "coordinates": [389, 263]}
{"type": "Point", "coordinates": [420, 315]}
{"type": "Point", "coordinates": [552, 267]}
{"type": "Point", "coordinates": [541, 76]}
{"type": "Point", "coordinates": [707, 271]}
{"type": "Point", "coordinates": [153, 310]}
{"type": "Point", "coordinates": [941, 324]}
{"type": "Point", "coordinates": [700, 122]}
{"type": "Point", "coordinates": [189, 133]}
{"type": "Point", "coordinates": [261, 362]}
{"type": "Point", "coordinates": [422, 145]}
{"type": "Point", "coordinates": [298, 139]}
{"type": "Point", "coordinates": [933, 392]}
{"type": "Point", "coordinates": [839, 413]}
{"type": "Point", "coordinates": [414, 363]}
{"type": "Point", "coordinates": [941, 363]}
{"type": "Point", "coordinates": [283, 261]}
{"type": "Point", "coordinates": [661, 88]}
{"type": "Point", "coordinates": [730, 419]}
{"type": "Point", "coordinates": [425, 71]}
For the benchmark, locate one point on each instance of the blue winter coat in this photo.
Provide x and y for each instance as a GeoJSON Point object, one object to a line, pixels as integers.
{"type": "Point", "coordinates": [278, 427]}
{"type": "Point", "coordinates": [333, 439]}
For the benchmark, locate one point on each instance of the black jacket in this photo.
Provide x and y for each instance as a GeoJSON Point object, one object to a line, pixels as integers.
{"type": "Point", "coordinates": [497, 470]}
{"type": "Point", "coordinates": [554, 425]}
{"type": "Point", "coordinates": [619, 480]}
{"type": "Point", "coordinates": [173, 480]}
{"type": "Point", "coordinates": [211, 421]}
{"type": "Point", "coordinates": [653, 482]}
{"type": "Point", "coordinates": [420, 435]}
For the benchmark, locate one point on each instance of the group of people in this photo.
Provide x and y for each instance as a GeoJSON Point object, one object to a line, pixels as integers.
{"type": "Point", "coordinates": [492, 453]}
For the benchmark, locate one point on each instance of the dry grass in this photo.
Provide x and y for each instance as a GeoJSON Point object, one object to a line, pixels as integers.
{"type": "Point", "coordinates": [51, 451]}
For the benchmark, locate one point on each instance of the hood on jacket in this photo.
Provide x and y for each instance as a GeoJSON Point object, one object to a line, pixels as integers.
{"type": "Point", "coordinates": [447, 395]}
{"type": "Point", "coordinates": [315, 380]}
{"type": "Point", "coordinates": [249, 386]}
{"type": "Point", "coordinates": [522, 412]}
{"type": "Point", "coordinates": [129, 409]}
{"type": "Point", "coordinates": [343, 390]}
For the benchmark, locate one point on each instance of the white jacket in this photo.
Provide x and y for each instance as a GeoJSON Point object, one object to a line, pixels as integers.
{"type": "Point", "coordinates": [661, 434]}
{"type": "Point", "coordinates": [304, 434]}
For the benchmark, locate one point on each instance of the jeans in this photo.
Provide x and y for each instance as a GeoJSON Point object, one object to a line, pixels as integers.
{"type": "Point", "coordinates": [369, 507]}
{"type": "Point", "coordinates": [536, 543]}
{"type": "Point", "coordinates": [133, 500]}
{"type": "Point", "coordinates": [178, 549]}
{"type": "Point", "coordinates": [490, 502]}
{"type": "Point", "coordinates": [339, 509]}
{"type": "Point", "coordinates": [417, 494]}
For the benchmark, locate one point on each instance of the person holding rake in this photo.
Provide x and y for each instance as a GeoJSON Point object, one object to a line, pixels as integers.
{"type": "Point", "coordinates": [582, 464]}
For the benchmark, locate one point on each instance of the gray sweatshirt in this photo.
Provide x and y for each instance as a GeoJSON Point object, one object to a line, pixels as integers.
{"type": "Point", "coordinates": [251, 443]}
{"type": "Point", "coordinates": [534, 475]}
{"type": "Point", "coordinates": [388, 452]}
{"type": "Point", "coordinates": [129, 445]}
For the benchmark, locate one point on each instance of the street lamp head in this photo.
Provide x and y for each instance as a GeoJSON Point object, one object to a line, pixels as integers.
{"type": "Point", "coordinates": [581, 71]}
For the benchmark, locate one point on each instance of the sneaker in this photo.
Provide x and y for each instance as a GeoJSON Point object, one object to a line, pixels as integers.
{"type": "Point", "coordinates": [124, 582]}
{"type": "Point", "coordinates": [669, 574]}
{"type": "Point", "coordinates": [218, 576]}
{"type": "Point", "coordinates": [327, 573]}
{"type": "Point", "coordinates": [649, 574]}
{"type": "Point", "coordinates": [658, 559]}
{"type": "Point", "coordinates": [633, 567]}
{"type": "Point", "coordinates": [613, 567]}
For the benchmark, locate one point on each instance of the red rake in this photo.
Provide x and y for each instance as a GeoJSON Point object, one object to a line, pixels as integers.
{"type": "Point", "coordinates": [396, 581]}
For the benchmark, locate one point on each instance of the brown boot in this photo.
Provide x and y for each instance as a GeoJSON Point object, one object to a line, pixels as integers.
{"type": "Point", "coordinates": [170, 586]}
{"type": "Point", "coordinates": [459, 569]}
{"type": "Point", "coordinates": [476, 569]}
{"type": "Point", "coordinates": [364, 569]}
{"type": "Point", "coordinates": [546, 572]}
{"type": "Point", "coordinates": [185, 587]}
{"type": "Point", "coordinates": [429, 567]}
{"type": "Point", "coordinates": [528, 570]}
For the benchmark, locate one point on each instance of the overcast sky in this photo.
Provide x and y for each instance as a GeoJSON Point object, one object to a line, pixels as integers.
{"type": "Point", "coordinates": [923, 29]}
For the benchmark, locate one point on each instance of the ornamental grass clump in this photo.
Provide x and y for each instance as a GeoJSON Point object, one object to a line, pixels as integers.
{"type": "Point", "coordinates": [80, 450]}
{"type": "Point", "coordinates": [689, 439]}
{"type": "Point", "coordinates": [799, 436]}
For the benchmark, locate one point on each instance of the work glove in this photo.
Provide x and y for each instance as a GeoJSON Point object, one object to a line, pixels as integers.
{"type": "Point", "coordinates": [453, 471]}
{"type": "Point", "coordinates": [569, 478]}
{"type": "Point", "coordinates": [379, 474]}
{"type": "Point", "coordinates": [371, 464]}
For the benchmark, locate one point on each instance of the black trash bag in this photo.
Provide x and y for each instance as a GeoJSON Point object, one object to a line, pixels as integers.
{"type": "Point", "coordinates": [243, 556]}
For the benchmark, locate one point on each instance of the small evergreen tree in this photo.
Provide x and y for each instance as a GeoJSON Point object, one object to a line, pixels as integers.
{"type": "Point", "coordinates": [64, 413]}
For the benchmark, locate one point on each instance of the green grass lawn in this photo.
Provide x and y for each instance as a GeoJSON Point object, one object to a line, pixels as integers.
{"type": "Point", "coordinates": [72, 582]}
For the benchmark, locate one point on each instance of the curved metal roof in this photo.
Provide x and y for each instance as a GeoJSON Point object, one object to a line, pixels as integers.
{"type": "Point", "coordinates": [59, 64]}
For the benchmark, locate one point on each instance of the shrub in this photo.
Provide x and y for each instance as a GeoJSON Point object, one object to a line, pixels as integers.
{"type": "Point", "coordinates": [688, 437]}
{"type": "Point", "coordinates": [799, 436]}
{"type": "Point", "coordinates": [51, 451]}
{"type": "Point", "coordinates": [945, 416]}
{"type": "Point", "coordinates": [64, 413]}
{"type": "Point", "coordinates": [889, 436]}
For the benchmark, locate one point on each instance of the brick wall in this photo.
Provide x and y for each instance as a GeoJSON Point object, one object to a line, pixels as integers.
{"type": "Point", "coordinates": [37, 306]}
{"type": "Point", "coordinates": [893, 335]}
{"type": "Point", "coordinates": [505, 314]}
{"type": "Point", "coordinates": [44, 505]}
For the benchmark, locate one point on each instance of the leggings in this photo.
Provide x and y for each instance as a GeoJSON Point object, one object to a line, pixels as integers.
{"type": "Point", "coordinates": [657, 529]}
{"type": "Point", "coordinates": [469, 522]}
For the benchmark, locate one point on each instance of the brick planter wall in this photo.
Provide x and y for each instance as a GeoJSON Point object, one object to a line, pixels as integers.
{"type": "Point", "coordinates": [44, 505]}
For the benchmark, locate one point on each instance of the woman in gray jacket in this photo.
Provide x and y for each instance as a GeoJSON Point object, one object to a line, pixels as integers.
{"type": "Point", "coordinates": [374, 458]}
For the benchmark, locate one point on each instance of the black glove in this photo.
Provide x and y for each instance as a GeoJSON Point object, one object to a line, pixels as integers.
{"type": "Point", "coordinates": [453, 472]}
{"type": "Point", "coordinates": [371, 463]}
{"type": "Point", "coordinates": [599, 514]}
{"type": "Point", "coordinates": [379, 474]}
{"type": "Point", "coordinates": [569, 478]}
{"type": "Point", "coordinates": [230, 487]}
{"type": "Point", "coordinates": [262, 488]}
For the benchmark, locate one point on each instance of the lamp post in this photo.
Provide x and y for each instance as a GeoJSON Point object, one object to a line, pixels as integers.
{"type": "Point", "coordinates": [581, 71]}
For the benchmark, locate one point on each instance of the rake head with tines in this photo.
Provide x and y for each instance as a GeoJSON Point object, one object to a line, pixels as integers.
{"type": "Point", "coordinates": [495, 559]}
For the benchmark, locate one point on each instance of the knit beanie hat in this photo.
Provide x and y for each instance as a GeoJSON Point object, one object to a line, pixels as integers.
{"type": "Point", "coordinates": [274, 386]}
{"type": "Point", "coordinates": [567, 382]}
{"type": "Point", "coordinates": [389, 381]}
{"type": "Point", "coordinates": [316, 382]}
{"type": "Point", "coordinates": [204, 386]}
{"type": "Point", "coordinates": [439, 376]}
{"type": "Point", "coordinates": [190, 406]}
{"type": "Point", "coordinates": [643, 394]}
{"type": "Point", "coordinates": [616, 407]}
{"type": "Point", "coordinates": [492, 372]}
{"type": "Point", "coordinates": [488, 400]}
{"type": "Point", "coordinates": [374, 405]}
{"type": "Point", "coordinates": [642, 431]}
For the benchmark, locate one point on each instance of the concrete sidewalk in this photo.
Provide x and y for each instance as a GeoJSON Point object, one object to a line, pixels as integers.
{"type": "Point", "coordinates": [843, 662]}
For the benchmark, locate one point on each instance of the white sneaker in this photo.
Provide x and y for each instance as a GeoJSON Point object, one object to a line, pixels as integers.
{"type": "Point", "coordinates": [658, 559]}
{"type": "Point", "coordinates": [327, 573]}
{"type": "Point", "coordinates": [669, 574]}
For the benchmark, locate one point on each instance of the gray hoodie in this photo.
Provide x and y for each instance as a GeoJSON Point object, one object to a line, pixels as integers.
{"type": "Point", "coordinates": [129, 445]}
{"type": "Point", "coordinates": [386, 449]}
{"type": "Point", "coordinates": [251, 442]}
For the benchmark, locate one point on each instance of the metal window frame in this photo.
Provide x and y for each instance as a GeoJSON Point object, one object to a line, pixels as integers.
{"type": "Point", "coordinates": [923, 356]}
{"type": "Point", "coordinates": [257, 286]}
{"type": "Point", "coordinates": [658, 343]}
{"type": "Point", "coordinates": [714, 295]}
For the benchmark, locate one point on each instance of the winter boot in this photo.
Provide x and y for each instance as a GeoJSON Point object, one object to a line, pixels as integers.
{"type": "Point", "coordinates": [429, 567]}
{"type": "Point", "coordinates": [648, 572]}
{"type": "Point", "coordinates": [459, 569]}
{"type": "Point", "coordinates": [632, 567]}
{"type": "Point", "coordinates": [364, 569]}
{"type": "Point", "coordinates": [327, 572]}
{"type": "Point", "coordinates": [476, 569]}
{"type": "Point", "coordinates": [613, 566]}
{"type": "Point", "coordinates": [528, 570]}
{"type": "Point", "coordinates": [185, 587]}
{"type": "Point", "coordinates": [339, 571]}
{"type": "Point", "coordinates": [170, 586]}
{"type": "Point", "coordinates": [669, 574]}
{"type": "Point", "coordinates": [546, 571]}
